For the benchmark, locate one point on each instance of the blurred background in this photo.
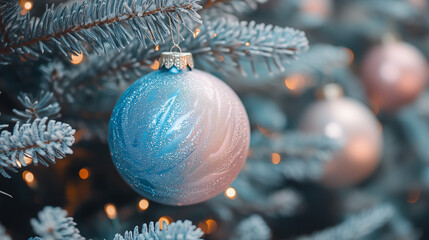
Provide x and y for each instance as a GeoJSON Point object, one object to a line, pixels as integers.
{"type": "Point", "coordinates": [339, 139]}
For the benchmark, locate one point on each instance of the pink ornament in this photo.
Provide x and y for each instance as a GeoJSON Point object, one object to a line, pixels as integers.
{"type": "Point", "coordinates": [317, 8]}
{"type": "Point", "coordinates": [394, 74]}
{"type": "Point", "coordinates": [356, 127]}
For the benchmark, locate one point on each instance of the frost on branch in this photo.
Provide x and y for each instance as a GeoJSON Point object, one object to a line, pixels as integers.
{"type": "Point", "coordinates": [175, 230]}
{"type": "Point", "coordinates": [3, 234]}
{"type": "Point", "coordinates": [45, 107]}
{"type": "Point", "coordinates": [357, 226]}
{"type": "Point", "coordinates": [40, 140]}
{"type": "Point", "coordinates": [222, 46]}
{"type": "Point", "coordinates": [53, 224]}
{"type": "Point", "coordinates": [69, 29]}
{"type": "Point", "coordinates": [252, 228]}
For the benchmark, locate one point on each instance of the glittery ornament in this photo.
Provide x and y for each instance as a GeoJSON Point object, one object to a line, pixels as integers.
{"type": "Point", "coordinates": [179, 136]}
{"type": "Point", "coordinates": [356, 127]}
{"type": "Point", "coordinates": [394, 75]}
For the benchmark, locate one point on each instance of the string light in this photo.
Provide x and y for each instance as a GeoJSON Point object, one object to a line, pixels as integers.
{"type": "Point", "coordinates": [157, 48]}
{"type": "Point", "coordinates": [110, 210]}
{"type": "Point", "coordinates": [211, 226]}
{"type": "Point", "coordinates": [164, 220]}
{"type": "Point", "coordinates": [247, 44]}
{"type": "Point", "coordinates": [143, 204]}
{"type": "Point", "coordinates": [76, 58]}
{"type": "Point", "coordinates": [155, 65]}
{"type": "Point", "coordinates": [27, 160]}
{"type": "Point", "coordinates": [208, 226]}
{"type": "Point", "coordinates": [414, 195]}
{"type": "Point", "coordinates": [275, 158]}
{"type": "Point", "coordinates": [230, 193]}
{"type": "Point", "coordinates": [84, 173]}
{"type": "Point", "coordinates": [196, 32]}
{"type": "Point", "coordinates": [26, 5]}
{"type": "Point", "coordinates": [214, 35]}
{"type": "Point", "coordinates": [29, 178]}
{"type": "Point", "coordinates": [295, 83]}
{"type": "Point", "coordinates": [18, 163]}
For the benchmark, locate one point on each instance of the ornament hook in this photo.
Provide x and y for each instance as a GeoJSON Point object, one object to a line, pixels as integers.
{"type": "Point", "coordinates": [180, 60]}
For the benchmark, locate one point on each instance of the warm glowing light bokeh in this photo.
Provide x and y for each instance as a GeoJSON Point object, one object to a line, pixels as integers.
{"type": "Point", "coordinates": [414, 195]}
{"type": "Point", "coordinates": [28, 177]}
{"type": "Point", "coordinates": [143, 204]}
{"type": "Point", "coordinates": [247, 44]}
{"type": "Point", "coordinates": [84, 173]}
{"type": "Point", "coordinates": [164, 220]}
{"type": "Point", "coordinates": [275, 158]}
{"type": "Point", "coordinates": [27, 160]}
{"type": "Point", "coordinates": [295, 83]}
{"type": "Point", "coordinates": [76, 59]}
{"type": "Point", "coordinates": [208, 226]}
{"type": "Point", "coordinates": [155, 65]}
{"type": "Point", "coordinates": [196, 32]}
{"type": "Point", "coordinates": [18, 163]}
{"type": "Point", "coordinates": [157, 48]}
{"type": "Point", "coordinates": [110, 210]}
{"type": "Point", "coordinates": [27, 5]}
{"type": "Point", "coordinates": [230, 193]}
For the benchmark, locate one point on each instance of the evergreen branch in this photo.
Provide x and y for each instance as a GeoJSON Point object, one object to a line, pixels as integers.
{"type": "Point", "coordinates": [37, 140]}
{"type": "Point", "coordinates": [175, 230]}
{"type": "Point", "coordinates": [220, 47]}
{"type": "Point", "coordinates": [253, 227]}
{"type": "Point", "coordinates": [229, 6]}
{"type": "Point", "coordinates": [54, 224]}
{"type": "Point", "coordinates": [3, 234]}
{"type": "Point", "coordinates": [357, 226]}
{"type": "Point", "coordinates": [95, 23]}
{"type": "Point", "coordinates": [45, 107]}
{"type": "Point", "coordinates": [320, 60]}
{"type": "Point", "coordinates": [294, 144]}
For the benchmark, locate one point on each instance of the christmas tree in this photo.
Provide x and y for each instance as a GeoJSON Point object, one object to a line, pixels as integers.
{"type": "Point", "coordinates": [332, 143]}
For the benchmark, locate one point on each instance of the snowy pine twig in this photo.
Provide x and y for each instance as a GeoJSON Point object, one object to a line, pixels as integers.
{"type": "Point", "coordinates": [221, 46]}
{"type": "Point", "coordinates": [252, 228]}
{"type": "Point", "coordinates": [70, 29]}
{"type": "Point", "coordinates": [3, 234]}
{"type": "Point", "coordinates": [357, 226]}
{"type": "Point", "coordinates": [53, 224]}
{"type": "Point", "coordinates": [40, 140]}
{"type": "Point", "coordinates": [175, 230]}
{"type": "Point", "coordinates": [45, 107]}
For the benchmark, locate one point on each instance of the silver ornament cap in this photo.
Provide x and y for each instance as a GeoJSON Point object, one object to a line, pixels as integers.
{"type": "Point", "coordinates": [180, 60]}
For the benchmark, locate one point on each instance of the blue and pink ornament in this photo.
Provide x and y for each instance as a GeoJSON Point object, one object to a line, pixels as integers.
{"type": "Point", "coordinates": [179, 136]}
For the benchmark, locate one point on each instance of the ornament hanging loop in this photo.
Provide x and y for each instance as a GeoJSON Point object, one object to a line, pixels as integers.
{"type": "Point", "coordinates": [180, 60]}
{"type": "Point", "coordinates": [175, 46]}
{"type": "Point", "coordinates": [172, 33]}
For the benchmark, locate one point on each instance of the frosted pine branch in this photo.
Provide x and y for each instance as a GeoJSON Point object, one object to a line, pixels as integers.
{"type": "Point", "coordinates": [3, 234]}
{"type": "Point", "coordinates": [220, 47]}
{"type": "Point", "coordinates": [252, 228]}
{"type": "Point", "coordinates": [175, 230]}
{"type": "Point", "coordinates": [40, 140]}
{"type": "Point", "coordinates": [212, 8]}
{"type": "Point", "coordinates": [53, 224]}
{"type": "Point", "coordinates": [45, 106]}
{"type": "Point", "coordinates": [357, 226]}
{"type": "Point", "coordinates": [70, 28]}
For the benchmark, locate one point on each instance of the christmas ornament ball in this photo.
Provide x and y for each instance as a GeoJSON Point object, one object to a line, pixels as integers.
{"type": "Point", "coordinates": [394, 74]}
{"type": "Point", "coordinates": [179, 137]}
{"type": "Point", "coordinates": [353, 125]}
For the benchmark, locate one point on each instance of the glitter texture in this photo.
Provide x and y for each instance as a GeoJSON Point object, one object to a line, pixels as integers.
{"type": "Point", "coordinates": [179, 137]}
